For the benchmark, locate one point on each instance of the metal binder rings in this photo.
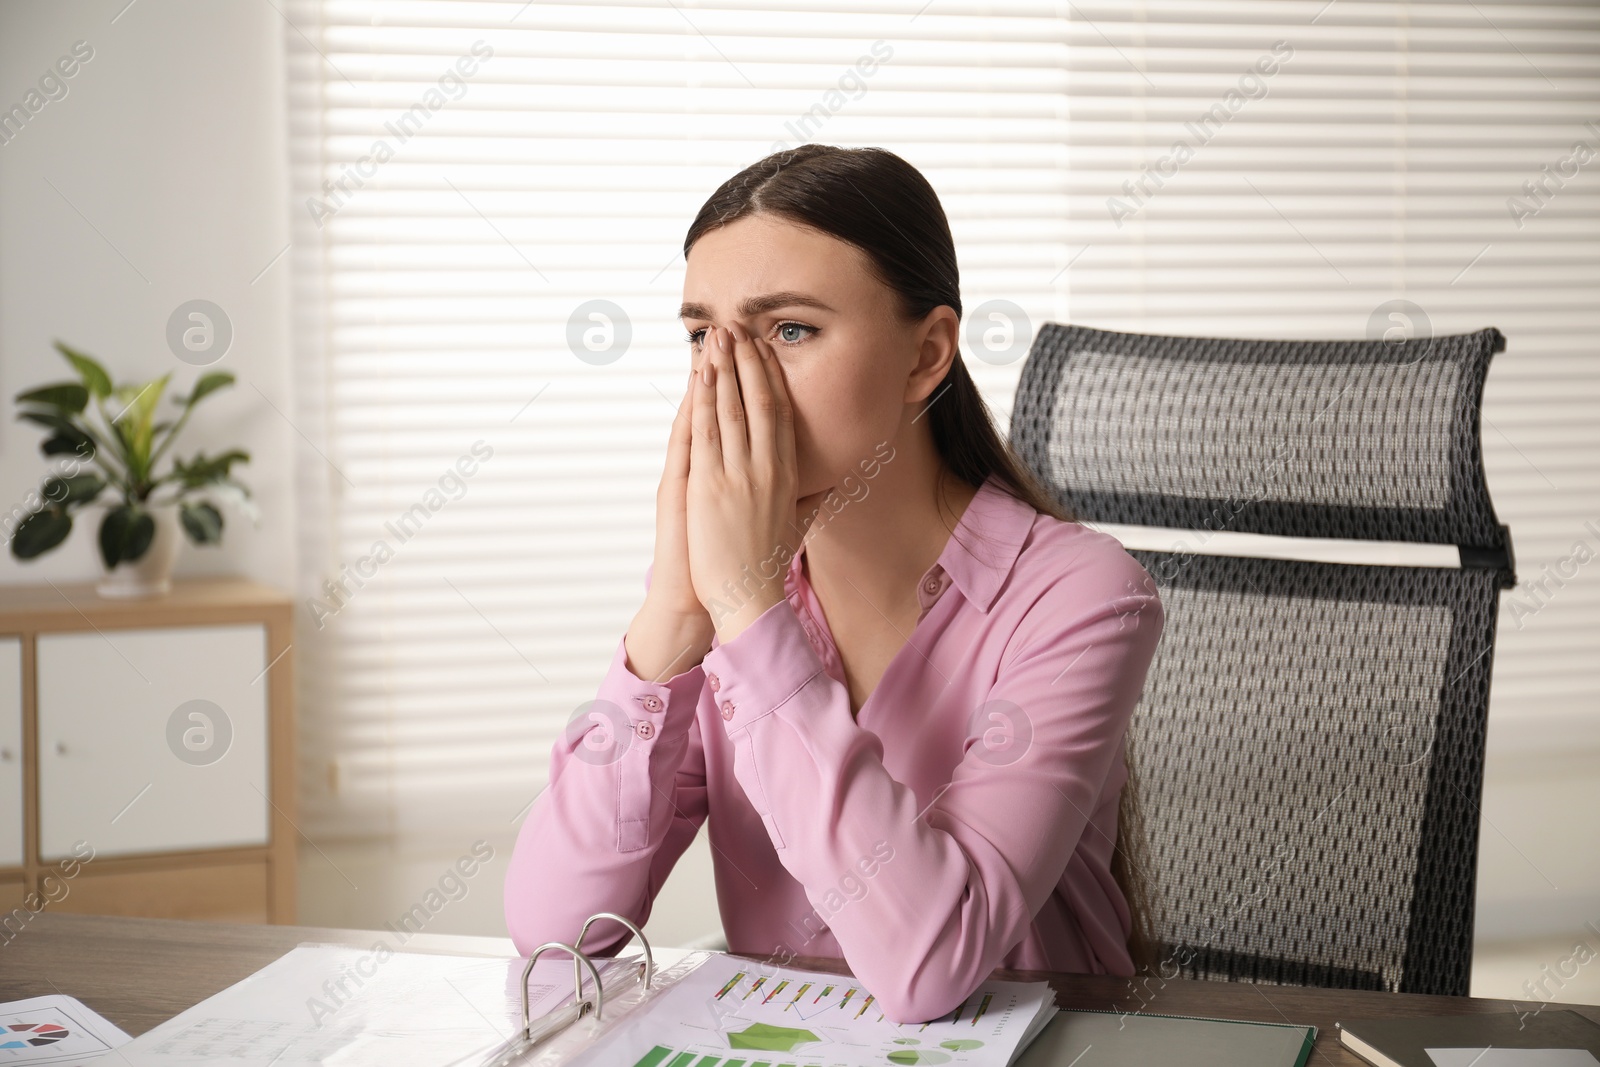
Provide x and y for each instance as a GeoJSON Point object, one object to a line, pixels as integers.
{"type": "Point", "coordinates": [554, 1021]}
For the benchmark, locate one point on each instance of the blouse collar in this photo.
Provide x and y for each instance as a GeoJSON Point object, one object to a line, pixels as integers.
{"type": "Point", "coordinates": [980, 554]}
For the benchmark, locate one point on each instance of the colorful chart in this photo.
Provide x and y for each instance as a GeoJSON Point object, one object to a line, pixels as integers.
{"type": "Point", "coordinates": [728, 1013]}
{"type": "Point", "coordinates": [663, 1056]}
{"type": "Point", "coordinates": [770, 1038]}
{"type": "Point", "coordinates": [32, 1035]}
{"type": "Point", "coordinates": [818, 1004]}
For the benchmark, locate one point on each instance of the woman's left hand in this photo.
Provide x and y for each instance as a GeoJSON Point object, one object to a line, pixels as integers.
{"type": "Point", "coordinates": [742, 481]}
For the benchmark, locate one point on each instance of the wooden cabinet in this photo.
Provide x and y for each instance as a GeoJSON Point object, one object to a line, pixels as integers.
{"type": "Point", "coordinates": [11, 788]}
{"type": "Point", "coordinates": [154, 757]}
{"type": "Point", "coordinates": [152, 740]}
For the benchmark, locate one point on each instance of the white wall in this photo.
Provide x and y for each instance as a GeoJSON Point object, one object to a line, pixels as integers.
{"type": "Point", "coordinates": [168, 153]}
{"type": "Point", "coordinates": [1538, 864]}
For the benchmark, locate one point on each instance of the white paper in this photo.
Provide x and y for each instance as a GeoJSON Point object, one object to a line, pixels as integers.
{"type": "Point", "coordinates": [1512, 1057]}
{"type": "Point", "coordinates": [349, 1007]}
{"type": "Point", "coordinates": [738, 1010]}
{"type": "Point", "coordinates": [54, 1030]}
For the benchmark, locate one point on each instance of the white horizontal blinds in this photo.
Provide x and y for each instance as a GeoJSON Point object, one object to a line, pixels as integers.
{"type": "Point", "coordinates": [438, 284]}
{"type": "Point", "coordinates": [1436, 153]}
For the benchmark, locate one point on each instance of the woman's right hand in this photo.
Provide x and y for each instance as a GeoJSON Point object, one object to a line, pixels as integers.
{"type": "Point", "coordinates": [672, 614]}
{"type": "Point", "coordinates": [670, 587]}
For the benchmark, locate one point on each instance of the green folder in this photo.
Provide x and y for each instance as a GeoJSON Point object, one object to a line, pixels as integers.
{"type": "Point", "coordinates": [1151, 1040]}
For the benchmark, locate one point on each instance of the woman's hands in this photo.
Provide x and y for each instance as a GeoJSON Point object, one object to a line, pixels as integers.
{"type": "Point", "coordinates": [742, 481]}
{"type": "Point", "coordinates": [672, 632]}
{"type": "Point", "coordinates": [724, 508]}
{"type": "Point", "coordinates": [670, 588]}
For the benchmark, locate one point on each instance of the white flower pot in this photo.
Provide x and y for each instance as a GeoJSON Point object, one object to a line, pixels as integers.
{"type": "Point", "coordinates": [151, 574]}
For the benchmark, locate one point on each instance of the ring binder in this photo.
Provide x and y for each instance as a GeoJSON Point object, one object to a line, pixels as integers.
{"type": "Point", "coordinates": [646, 969]}
{"type": "Point", "coordinates": [582, 1003]}
{"type": "Point", "coordinates": [530, 1035]}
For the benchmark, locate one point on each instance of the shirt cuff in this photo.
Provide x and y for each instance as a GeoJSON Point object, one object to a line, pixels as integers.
{"type": "Point", "coordinates": [667, 707]}
{"type": "Point", "coordinates": [760, 669]}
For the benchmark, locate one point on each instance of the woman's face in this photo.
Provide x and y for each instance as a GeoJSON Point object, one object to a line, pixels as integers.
{"type": "Point", "coordinates": [847, 357]}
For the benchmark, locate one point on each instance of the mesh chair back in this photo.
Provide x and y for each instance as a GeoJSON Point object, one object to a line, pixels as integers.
{"type": "Point", "coordinates": [1309, 744]}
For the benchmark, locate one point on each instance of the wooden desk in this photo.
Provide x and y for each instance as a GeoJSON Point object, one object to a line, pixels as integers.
{"type": "Point", "coordinates": [140, 972]}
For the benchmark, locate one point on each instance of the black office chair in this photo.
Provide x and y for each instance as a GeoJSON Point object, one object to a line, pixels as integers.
{"type": "Point", "coordinates": [1309, 745]}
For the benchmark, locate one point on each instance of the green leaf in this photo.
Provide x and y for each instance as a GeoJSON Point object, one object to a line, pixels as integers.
{"type": "Point", "coordinates": [59, 423]}
{"type": "Point", "coordinates": [208, 383]}
{"type": "Point", "coordinates": [68, 436]}
{"type": "Point", "coordinates": [204, 470]}
{"type": "Point", "coordinates": [76, 489]}
{"type": "Point", "coordinates": [203, 523]}
{"type": "Point", "coordinates": [135, 421]}
{"type": "Point", "coordinates": [125, 534]}
{"type": "Point", "coordinates": [137, 403]}
{"type": "Point", "coordinates": [94, 376]}
{"type": "Point", "coordinates": [64, 442]}
{"type": "Point", "coordinates": [40, 532]}
{"type": "Point", "coordinates": [70, 397]}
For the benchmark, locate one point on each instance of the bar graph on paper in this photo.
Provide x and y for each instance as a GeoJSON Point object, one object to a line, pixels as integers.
{"type": "Point", "coordinates": [736, 1013]}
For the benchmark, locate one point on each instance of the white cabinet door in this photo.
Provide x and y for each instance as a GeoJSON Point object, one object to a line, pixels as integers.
{"type": "Point", "coordinates": [10, 752]}
{"type": "Point", "coordinates": [153, 740]}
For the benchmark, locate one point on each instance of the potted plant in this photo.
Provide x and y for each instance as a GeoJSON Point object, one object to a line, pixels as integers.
{"type": "Point", "coordinates": [139, 531]}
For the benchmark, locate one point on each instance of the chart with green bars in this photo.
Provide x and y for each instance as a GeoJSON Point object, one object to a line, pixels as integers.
{"type": "Point", "coordinates": [661, 1056]}
{"type": "Point", "coordinates": [732, 1012]}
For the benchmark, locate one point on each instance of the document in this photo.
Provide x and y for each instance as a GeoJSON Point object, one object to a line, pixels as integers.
{"type": "Point", "coordinates": [731, 1011]}
{"type": "Point", "coordinates": [1512, 1057]}
{"type": "Point", "coordinates": [348, 1007]}
{"type": "Point", "coordinates": [54, 1030]}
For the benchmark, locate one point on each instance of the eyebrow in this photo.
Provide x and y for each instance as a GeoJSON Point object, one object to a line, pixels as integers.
{"type": "Point", "coordinates": [755, 305]}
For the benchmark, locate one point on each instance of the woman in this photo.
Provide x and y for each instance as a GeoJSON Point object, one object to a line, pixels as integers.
{"type": "Point", "coordinates": [872, 650]}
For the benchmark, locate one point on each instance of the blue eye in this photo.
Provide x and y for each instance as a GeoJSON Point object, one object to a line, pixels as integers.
{"type": "Point", "coordinates": [797, 326]}
{"type": "Point", "coordinates": [696, 337]}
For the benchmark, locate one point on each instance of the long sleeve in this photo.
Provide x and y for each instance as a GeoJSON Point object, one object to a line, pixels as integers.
{"type": "Point", "coordinates": [954, 880]}
{"type": "Point", "coordinates": [626, 795]}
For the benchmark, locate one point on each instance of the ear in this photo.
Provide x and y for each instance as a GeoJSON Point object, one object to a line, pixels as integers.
{"type": "Point", "coordinates": [938, 344]}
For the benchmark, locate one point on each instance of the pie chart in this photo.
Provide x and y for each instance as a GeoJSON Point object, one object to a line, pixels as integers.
{"type": "Point", "coordinates": [31, 1035]}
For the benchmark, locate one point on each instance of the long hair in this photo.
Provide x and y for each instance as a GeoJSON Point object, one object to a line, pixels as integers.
{"type": "Point", "coordinates": [874, 200]}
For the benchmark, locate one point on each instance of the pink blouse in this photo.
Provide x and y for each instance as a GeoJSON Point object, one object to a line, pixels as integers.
{"type": "Point", "coordinates": [963, 821]}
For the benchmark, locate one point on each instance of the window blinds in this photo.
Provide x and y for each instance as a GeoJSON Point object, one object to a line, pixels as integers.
{"type": "Point", "coordinates": [490, 199]}
{"type": "Point", "coordinates": [446, 254]}
{"type": "Point", "coordinates": [1369, 170]}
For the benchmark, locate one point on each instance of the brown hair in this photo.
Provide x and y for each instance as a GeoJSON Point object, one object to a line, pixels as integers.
{"type": "Point", "coordinates": [874, 200]}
